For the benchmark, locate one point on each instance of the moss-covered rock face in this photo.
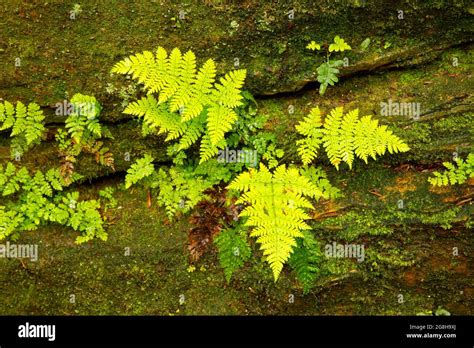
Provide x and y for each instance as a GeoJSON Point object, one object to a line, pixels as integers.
{"type": "Point", "coordinates": [47, 51]}
{"type": "Point", "coordinates": [420, 53]}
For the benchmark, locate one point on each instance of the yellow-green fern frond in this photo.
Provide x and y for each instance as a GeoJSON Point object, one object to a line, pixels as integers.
{"type": "Point", "coordinates": [208, 149]}
{"type": "Point", "coordinates": [310, 127]}
{"type": "Point", "coordinates": [457, 173]}
{"type": "Point", "coordinates": [345, 137]}
{"type": "Point", "coordinates": [276, 211]}
{"type": "Point", "coordinates": [157, 78]}
{"type": "Point", "coordinates": [191, 134]}
{"type": "Point", "coordinates": [346, 143]}
{"type": "Point", "coordinates": [332, 136]}
{"type": "Point", "coordinates": [173, 76]}
{"type": "Point", "coordinates": [156, 115]}
{"type": "Point", "coordinates": [219, 121]}
{"type": "Point", "coordinates": [7, 115]}
{"type": "Point", "coordinates": [139, 66]}
{"type": "Point", "coordinates": [187, 72]}
{"type": "Point", "coordinates": [185, 93]}
{"type": "Point", "coordinates": [201, 88]}
{"type": "Point", "coordinates": [227, 92]}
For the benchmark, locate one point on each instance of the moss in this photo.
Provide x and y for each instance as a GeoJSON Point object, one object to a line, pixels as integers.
{"type": "Point", "coordinates": [411, 76]}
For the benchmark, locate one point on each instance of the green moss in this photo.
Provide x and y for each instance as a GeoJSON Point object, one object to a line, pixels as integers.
{"type": "Point", "coordinates": [411, 76]}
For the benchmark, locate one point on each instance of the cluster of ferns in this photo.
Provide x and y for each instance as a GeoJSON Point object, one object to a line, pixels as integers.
{"type": "Point", "coordinates": [195, 109]}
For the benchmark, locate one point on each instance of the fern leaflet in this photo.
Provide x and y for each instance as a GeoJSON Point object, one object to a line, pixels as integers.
{"type": "Point", "coordinates": [457, 173]}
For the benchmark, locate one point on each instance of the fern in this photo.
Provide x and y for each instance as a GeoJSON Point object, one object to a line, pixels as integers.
{"type": "Point", "coordinates": [190, 103]}
{"type": "Point", "coordinates": [339, 45]}
{"type": "Point", "coordinates": [86, 218]}
{"type": "Point", "coordinates": [277, 210]}
{"type": "Point", "coordinates": [142, 168]}
{"type": "Point", "coordinates": [306, 260]}
{"type": "Point", "coordinates": [328, 71]}
{"type": "Point", "coordinates": [180, 188]}
{"type": "Point", "coordinates": [318, 177]}
{"type": "Point", "coordinates": [107, 194]}
{"type": "Point", "coordinates": [345, 137]}
{"type": "Point", "coordinates": [457, 173]}
{"type": "Point", "coordinates": [26, 125]}
{"type": "Point", "coordinates": [83, 133]}
{"type": "Point", "coordinates": [310, 127]}
{"type": "Point", "coordinates": [83, 123]}
{"type": "Point", "coordinates": [233, 250]}
{"type": "Point", "coordinates": [35, 200]}
{"type": "Point", "coordinates": [327, 74]}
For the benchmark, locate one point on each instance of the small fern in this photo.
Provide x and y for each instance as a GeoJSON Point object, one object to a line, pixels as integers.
{"type": "Point", "coordinates": [83, 123]}
{"type": "Point", "coordinates": [31, 201]}
{"type": "Point", "coordinates": [180, 188]}
{"type": "Point", "coordinates": [233, 250]}
{"type": "Point", "coordinates": [318, 177]}
{"type": "Point", "coordinates": [345, 137]}
{"type": "Point", "coordinates": [83, 131]}
{"type": "Point", "coordinates": [141, 169]}
{"type": "Point", "coordinates": [108, 199]}
{"type": "Point", "coordinates": [306, 261]}
{"type": "Point", "coordinates": [26, 125]}
{"type": "Point", "coordinates": [277, 209]}
{"type": "Point", "coordinates": [190, 103]}
{"type": "Point", "coordinates": [328, 71]}
{"type": "Point", "coordinates": [457, 173]}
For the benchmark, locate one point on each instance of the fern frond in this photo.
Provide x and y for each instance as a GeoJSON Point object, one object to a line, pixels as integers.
{"type": "Point", "coordinates": [233, 250]}
{"type": "Point", "coordinates": [455, 174]}
{"type": "Point", "coordinates": [20, 122]}
{"type": "Point", "coordinates": [142, 168]}
{"type": "Point", "coordinates": [26, 125]}
{"type": "Point", "coordinates": [36, 202]}
{"type": "Point", "coordinates": [187, 72]}
{"type": "Point", "coordinates": [35, 128]}
{"type": "Point", "coordinates": [191, 134]}
{"type": "Point", "coordinates": [306, 260]}
{"type": "Point", "coordinates": [173, 74]}
{"type": "Point", "coordinates": [7, 115]}
{"type": "Point", "coordinates": [156, 78]}
{"type": "Point", "coordinates": [41, 185]}
{"type": "Point", "coordinates": [55, 179]}
{"type": "Point", "coordinates": [310, 127]}
{"type": "Point", "coordinates": [276, 211]}
{"type": "Point", "coordinates": [227, 92]}
{"type": "Point", "coordinates": [200, 89]}
{"type": "Point", "coordinates": [157, 115]}
{"type": "Point", "coordinates": [83, 122]}
{"type": "Point", "coordinates": [139, 66]}
{"type": "Point", "coordinates": [208, 149]}
{"type": "Point", "coordinates": [332, 136]}
{"type": "Point", "coordinates": [183, 96]}
{"type": "Point", "coordinates": [318, 177]}
{"type": "Point", "coordinates": [219, 121]}
{"type": "Point", "coordinates": [346, 136]}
